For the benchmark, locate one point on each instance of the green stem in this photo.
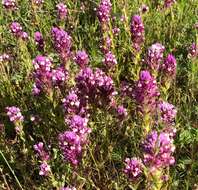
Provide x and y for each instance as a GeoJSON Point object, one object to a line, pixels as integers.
{"type": "Point", "coordinates": [12, 171]}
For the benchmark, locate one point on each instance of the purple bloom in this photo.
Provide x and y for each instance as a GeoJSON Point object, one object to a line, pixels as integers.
{"type": "Point", "coordinates": [16, 29]}
{"type": "Point", "coordinates": [39, 40]}
{"type": "Point", "coordinates": [44, 169]}
{"type": "Point", "coordinates": [137, 32]}
{"type": "Point", "coordinates": [81, 58]}
{"type": "Point", "coordinates": [62, 11]}
{"type": "Point", "coordinates": [146, 92]}
{"type": "Point", "coordinates": [122, 112]}
{"type": "Point", "coordinates": [193, 51]}
{"type": "Point", "coordinates": [70, 144]}
{"type": "Point", "coordinates": [42, 74]}
{"type": "Point", "coordinates": [155, 56]}
{"type": "Point", "coordinates": [116, 31]}
{"type": "Point", "coordinates": [158, 150]}
{"type": "Point", "coordinates": [59, 75]}
{"type": "Point", "coordinates": [109, 60]}
{"type": "Point", "coordinates": [71, 102]}
{"type": "Point", "coordinates": [38, 2]}
{"type": "Point", "coordinates": [167, 112]}
{"type": "Point", "coordinates": [4, 57]}
{"type": "Point", "coordinates": [39, 148]}
{"type": "Point", "coordinates": [9, 4]}
{"type": "Point", "coordinates": [169, 3]}
{"type": "Point", "coordinates": [62, 42]}
{"type": "Point", "coordinates": [78, 124]}
{"type": "Point", "coordinates": [104, 11]}
{"type": "Point", "coordinates": [106, 44]}
{"type": "Point", "coordinates": [14, 113]}
{"type": "Point", "coordinates": [133, 168]}
{"type": "Point", "coordinates": [24, 35]}
{"type": "Point", "coordinates": [169, 66]}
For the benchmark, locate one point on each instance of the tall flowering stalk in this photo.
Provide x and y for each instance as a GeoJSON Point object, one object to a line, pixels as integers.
{"type": "Point", "coordinates": [16, 117]}
{"type": "Point", "coordinates": [62, 11]}
{"type": "Point", "coordinates": [62, 43]}
{"type": "Point", "coordinates": [39, 41]}
{"type": "Point", "coordinates": [137, 32]}
{"type": "Point", "coordinates": [158, 156]}
{"type": "Point", "coordinates": [146, 94]}
{"type": "Point", "coordinates": [155, 57]}
{"type": "Point", "coordinates": [169, 3]}
{"type": "Point", "coordinates": [168, 70]}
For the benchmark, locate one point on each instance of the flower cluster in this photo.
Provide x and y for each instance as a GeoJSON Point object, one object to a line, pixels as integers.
{"type": "Point", "coordinates": [38, 2]}
{"type": "Point", "coordinates": [169, 3]}
{"type": "Point", "coordinates": [9, 4]}
{"type": "Point", "coordinates": [193, 51]}
{"type": "Point", "coordinates": [81, 58]}
{"type": "Point", "coordinates": [39, 40]}
{"type": "Point", "coordinates": [133, 168]}
{"type": "Point", "coordinates": [44, 169]}
{"type": "Point", "coordinates": [44, 157]}
{"type": "Point", "coordinates": [146, 92]}
{"type": "Point", "coordinates": [62, 11]}
{"type": "Point", "coordinates": [42, 74]}
{"type": "Point", "coordinates": [104, 11]}
{"type": "Point", "coordinates": [158, 150]}
{"type": "Point", "coordinates": [4, 57]}
{"type": "Point", "coordinates": [168, 112]}
{"type": "Point", "coordinates": [97, 86]}
{"type": "Point", "coordinates": [155, 56]}
{"type": "Point", "coordinates": [62, 42]}
{"type": "Point", "coordinates": [169, 66]}
{"type": "Point", "coordinates": [15, 116]}
{"type": "Point", "coordinates": [109, 60]}
{"type": "Point", "coordinates": [59, 76]}
{"type": "Point", "coordinates": [17, 30]}
{"type": "Point", "coordinates": [71, 103]}
{"type": "Point", "coordinates": [39, 148]}
{"type": "Point", "coordinates": [121, 112]}
{"type": "Point", "coordinates": [137, 32]}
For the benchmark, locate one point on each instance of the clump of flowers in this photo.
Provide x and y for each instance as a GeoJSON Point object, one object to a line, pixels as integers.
{"type": "Point", "coordinates": [70, 144]}
{"type": "Point", "coordinates": [45, 169]}
{"type": "Point", "coordinates": [169, 66]}
{"type": "Point", "coordinates": [71, 103]}
{"type": "Point", "coordinates": [121, 112]}
{"type": "Point", "coordinates": [9, 4]}
{"type": "Point", "coordinates": [17, 31]}
{"type": "Point", "coordinates": [158, 151]}
{"type": "Point", "coordinates": [39, 148]}
{"type": "Point", "coordinates": [104, 11]}
{"type": "Point", "coordinates": [62, 11]}
{"type": "Point", "coordinates": [167, 112]}
{"type": "Point", "coordinates": [133, 168]}
{"type": "Point", "coordinates": [44, 157]}
{"type": "Point", "coordinates": [62, 43]}
{"type": "Point", "coordinates": [38, 2]}
{"type": "Point", "coordinates": [169, 3]}
{"type": "Point", "coordinates": [59, 76]}
{"type": "Point", "coordinates": [109, 60]}
{"type": "Point", "coordinates": [42, 73]}
{"type": "Point", "coordinates": [15, 116]}
{"type": "Point", "coordinates": [4, 57]}
{"type": "Point", "coordinates": [81, 58]}
{"type": "Point", "coordinates": [155, 56]}
{"type": "Point", "coordinates": [146, 92]}
{"type": "Point", "coordinates": [193, 51]}
{"type": "Point", "coordinates": [96, 86]}
{"type": "Point", "coordinates": [39, 40]}
{"type": "Point", "coordinates": [137, 32]}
